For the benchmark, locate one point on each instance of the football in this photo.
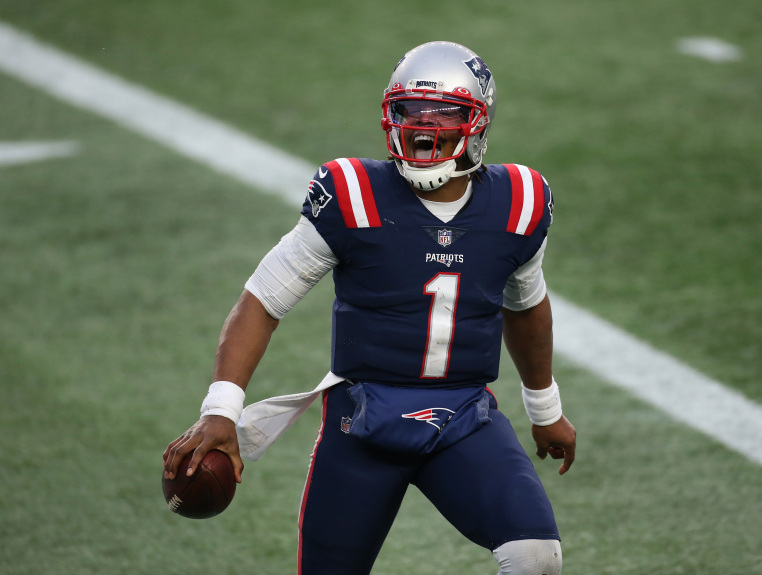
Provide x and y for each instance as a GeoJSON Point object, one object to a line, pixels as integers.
{"type": "Point", "coordinates": [204, 494]}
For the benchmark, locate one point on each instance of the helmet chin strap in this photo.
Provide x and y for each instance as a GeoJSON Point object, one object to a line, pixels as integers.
{"type": "Point", "coordinates": [432, 177]}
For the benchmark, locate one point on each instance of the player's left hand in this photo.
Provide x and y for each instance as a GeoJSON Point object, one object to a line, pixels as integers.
{"type": "Point", "coordinates": [559, 439]}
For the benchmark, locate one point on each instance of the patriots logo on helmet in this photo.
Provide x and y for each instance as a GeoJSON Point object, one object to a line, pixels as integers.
{"type": "Point", "coordinates": [317, 197]}
{"type": "Point", "coordinates": [430, 416]}
{"type": "Point", "coordinates": [480, 71]}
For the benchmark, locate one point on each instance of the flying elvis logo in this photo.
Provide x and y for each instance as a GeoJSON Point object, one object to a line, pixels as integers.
{"type": "Point", "coordinates": [481, 73]}
{"type": "Point", "coordinates": [318, 197]}
{"type": "Point", "coordinates": [430, 416]}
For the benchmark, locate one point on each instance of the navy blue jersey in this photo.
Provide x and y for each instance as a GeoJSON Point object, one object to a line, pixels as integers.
{"type": "Point", "coordinates": [418, 301]}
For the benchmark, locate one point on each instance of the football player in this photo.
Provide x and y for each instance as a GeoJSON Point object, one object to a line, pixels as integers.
{"type": "Point", "coordinates": [436, 258]}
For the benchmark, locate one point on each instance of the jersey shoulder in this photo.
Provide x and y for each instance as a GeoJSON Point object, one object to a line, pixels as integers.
{"type": "Point", "coordinates": [341, 192]}
{"type": "Point", "coordinates": [528, 195]}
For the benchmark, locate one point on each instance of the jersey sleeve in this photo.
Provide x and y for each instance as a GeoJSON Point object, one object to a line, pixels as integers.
{"type": "Point", "coordinates": [531, 215]}
{"type": "Point", "coordinates": [291, 269]}
{"type": "Point", "coordinates": [531, 201]}
{"type": "Point", "coordinates": [340, 200]}
{"type": "Point", "coordinates": [320, 206]}
{"type": "Point", "coordinates": [531, 210]}
{"type": "Point", "coordinates": [526, 287]}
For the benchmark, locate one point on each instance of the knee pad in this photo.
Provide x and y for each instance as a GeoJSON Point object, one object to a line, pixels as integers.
{"type": "Point", "coordinates": [529, 557]}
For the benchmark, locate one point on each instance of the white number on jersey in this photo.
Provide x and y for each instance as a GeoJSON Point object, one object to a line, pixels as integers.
{"type": "Point", "coordinates": [444, 289]}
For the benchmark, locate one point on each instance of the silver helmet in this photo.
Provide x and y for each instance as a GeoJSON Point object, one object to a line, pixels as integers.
{"type": "Point", "coordinates": [439, 92]}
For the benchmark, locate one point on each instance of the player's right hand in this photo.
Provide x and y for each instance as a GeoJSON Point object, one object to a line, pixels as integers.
{"type": "Point", "coordinates": [209, 432]}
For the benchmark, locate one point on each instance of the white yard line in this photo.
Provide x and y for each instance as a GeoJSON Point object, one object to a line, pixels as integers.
{"type": "Point", "coordinates": [12, 153]}
{"type": "Point", "coordinates": [657, 378]}
{"type": "Point", "coordinates": [580, 336]}
{"type": "Point", "coordinates": [179, 127]}
{"type": "Point", "coordinates": [708, 48]}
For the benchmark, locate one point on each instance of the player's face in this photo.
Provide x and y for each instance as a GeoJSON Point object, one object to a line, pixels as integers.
{"type": "Point", "coordinates": [422, 134]}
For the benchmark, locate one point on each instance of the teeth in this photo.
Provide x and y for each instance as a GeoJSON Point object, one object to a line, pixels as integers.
{"type": "Point", "coordinates": [423, 147]}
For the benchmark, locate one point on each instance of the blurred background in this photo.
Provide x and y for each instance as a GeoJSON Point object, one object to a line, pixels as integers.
{"type": "Point", "coordinates": [121, 258]}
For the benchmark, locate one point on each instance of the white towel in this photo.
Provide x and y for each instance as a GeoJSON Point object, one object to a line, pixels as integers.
{"type": "Point", "coordinates": [263, 422]}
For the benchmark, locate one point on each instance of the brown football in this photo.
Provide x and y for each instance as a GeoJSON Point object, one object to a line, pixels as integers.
{"type": "Point", "coordinates": [204, 494]}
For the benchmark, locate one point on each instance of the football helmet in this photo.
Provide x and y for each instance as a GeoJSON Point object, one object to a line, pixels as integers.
{"type": "Point", "coordinates": [438, 107]}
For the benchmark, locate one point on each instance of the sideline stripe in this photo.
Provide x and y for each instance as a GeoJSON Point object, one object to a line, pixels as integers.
{"type": "Point", "coordinates": [586, 340]}
{"type": "Point", "coordinates": [306, 490]}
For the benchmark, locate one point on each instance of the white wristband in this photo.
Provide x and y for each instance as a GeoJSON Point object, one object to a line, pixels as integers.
{"type": "Point", "coordinates": [224, 398]}
{"type": "Point", "coordinates": [543, 406]}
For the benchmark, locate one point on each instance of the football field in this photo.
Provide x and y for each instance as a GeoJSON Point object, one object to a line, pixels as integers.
{"type": "Point", "coordinates": [125, 243]}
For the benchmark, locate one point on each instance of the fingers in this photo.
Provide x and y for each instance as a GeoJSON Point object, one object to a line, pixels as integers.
{"type": "Point", "coordinates": [198, 455]}
{"type": "Point", "coordinates": [237, 465]}
{"type": "Point", "coordinates": [569, 454]}
{"type": "Point", "coordinates": [213, 432]}
{"type": "Point", "coordinates": [176, 452]}
{"type": "Point", "coordinates": [556, 452]}
{"type": "Point", "coordinates": [231, 450]}
{"type": "Point", "coordinates": [565, 453]}
{"type": "Point", "coordinates": [559, 440]}
{"type": "Point", "coordinates": [166, 454]}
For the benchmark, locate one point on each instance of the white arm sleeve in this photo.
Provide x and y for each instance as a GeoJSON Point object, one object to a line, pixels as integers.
{"type": "Point", "coordinates": [526, 287]}
{"type": "Point", "coordinates": [291, 269]}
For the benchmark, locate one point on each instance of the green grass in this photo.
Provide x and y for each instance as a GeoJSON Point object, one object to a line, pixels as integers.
{"type": "Point", "coordinates": [652, 155]}
{"type": "Point", "coordinates": [121, 263]}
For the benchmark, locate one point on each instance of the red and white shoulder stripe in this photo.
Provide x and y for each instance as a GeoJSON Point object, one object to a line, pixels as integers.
{"type": "Point", "coordinates": [528, 199]}
{"type": "Point", "coordinates": [354, 193]}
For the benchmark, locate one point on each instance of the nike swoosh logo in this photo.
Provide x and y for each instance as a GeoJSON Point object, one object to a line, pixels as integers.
{"type": "Point", "coordinates": [322, 173]}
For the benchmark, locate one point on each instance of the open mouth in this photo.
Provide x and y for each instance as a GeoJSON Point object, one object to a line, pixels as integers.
{"type": "Point", "coordinates": [424, 148]}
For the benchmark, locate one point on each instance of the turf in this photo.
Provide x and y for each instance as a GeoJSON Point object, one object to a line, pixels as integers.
{"type": "Point", "coordinates": [652, 155]}
{"type": "Point", "coordinates": [121, 262]}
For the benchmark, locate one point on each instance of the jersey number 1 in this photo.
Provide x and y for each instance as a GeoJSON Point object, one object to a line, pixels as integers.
{"type": "Point", "coordinates": [444, 289]}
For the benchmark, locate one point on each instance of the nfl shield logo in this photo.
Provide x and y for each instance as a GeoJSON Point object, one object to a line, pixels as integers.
{"type": "Point", "coordinates": [346, 423]}
{"type": "Point", "coordinates": [444, 238]}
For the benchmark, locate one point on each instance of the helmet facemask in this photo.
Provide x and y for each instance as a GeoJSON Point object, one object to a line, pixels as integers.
{"type": "Point", "coordinates": [427, 132]}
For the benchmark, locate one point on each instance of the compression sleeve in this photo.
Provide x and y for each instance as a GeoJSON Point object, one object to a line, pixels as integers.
{"type": "Point", "coordinates": [526, 287]}
{"type": "Point", "coordinates": [291, 269]}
